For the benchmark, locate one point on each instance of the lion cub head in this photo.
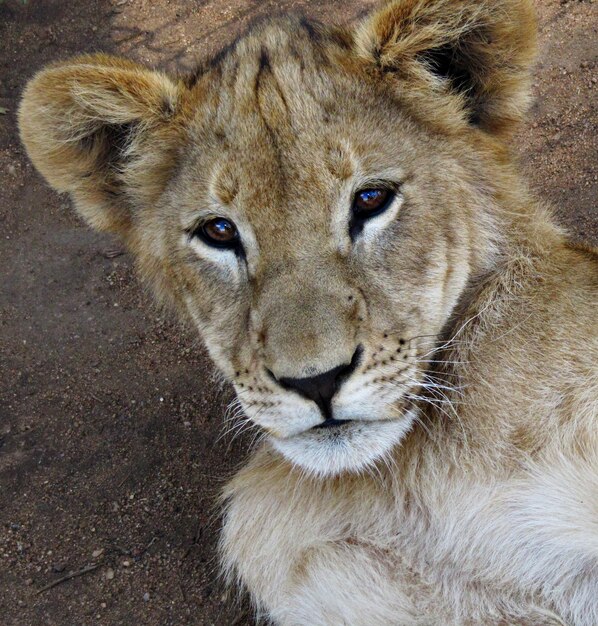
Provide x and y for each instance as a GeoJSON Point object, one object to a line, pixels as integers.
{"type": "Point", "coordinates": [317, 200]}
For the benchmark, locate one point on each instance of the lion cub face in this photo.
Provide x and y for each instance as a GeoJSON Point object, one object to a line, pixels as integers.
{"type": "Point", "coordinates": [316, 220]}
{"type": "Point", "coordinates": [320, 244]}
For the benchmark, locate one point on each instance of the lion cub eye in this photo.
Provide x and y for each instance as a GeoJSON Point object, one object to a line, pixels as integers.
{"type": "Point", "coordinates": [370, 202]}
{"type": "Point", "coordinates": [218, 232]}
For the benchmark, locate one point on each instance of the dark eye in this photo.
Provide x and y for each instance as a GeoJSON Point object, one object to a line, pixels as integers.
{"type": "Point", "coordinates": [218, 232]}
{"type": "Point", "coordinates": [370, 202]}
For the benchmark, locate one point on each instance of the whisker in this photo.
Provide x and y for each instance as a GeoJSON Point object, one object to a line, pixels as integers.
{"type": "Point", "coordinates": [442, 362]}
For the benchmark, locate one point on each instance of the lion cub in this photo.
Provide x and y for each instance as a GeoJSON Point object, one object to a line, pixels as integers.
{"type": "Point", "coordinates": [339, 213]}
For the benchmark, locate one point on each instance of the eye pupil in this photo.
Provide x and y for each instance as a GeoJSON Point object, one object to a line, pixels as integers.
{"type": "Point", "coordinates": [370, 201]}
{"type": "Point", "coordinates": [371, 196]}
{"type": "Point", "coordinates": [220, 229]}
{"type": "Point", "coordinates": [218, 232]}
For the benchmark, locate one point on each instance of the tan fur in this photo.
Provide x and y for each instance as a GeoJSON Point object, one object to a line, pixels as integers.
{"type": "Point", "coordinates": [464, 489]}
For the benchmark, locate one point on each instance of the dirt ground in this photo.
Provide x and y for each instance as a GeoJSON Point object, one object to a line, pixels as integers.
{"type": "Point", "coordinates": [111, 420]}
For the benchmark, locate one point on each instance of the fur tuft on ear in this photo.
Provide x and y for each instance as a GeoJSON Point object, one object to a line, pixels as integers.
{"type": "Point", "coordinates": [478, 53]}
{"type": "Point", "coordinates": [97, 127]}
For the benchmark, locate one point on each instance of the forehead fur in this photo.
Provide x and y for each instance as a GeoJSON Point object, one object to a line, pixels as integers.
{"type": "Point", "coordinates": [297, 91]}
{"type": "Point", "coordinates": [275, 84]}
{"type": "Point", "coordinates": [294, 51]}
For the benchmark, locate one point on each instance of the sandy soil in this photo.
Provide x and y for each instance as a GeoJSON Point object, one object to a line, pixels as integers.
{"type": "Point", "coordinates": [111, 446]}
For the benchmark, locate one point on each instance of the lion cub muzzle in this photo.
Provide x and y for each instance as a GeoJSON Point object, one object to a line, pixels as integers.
{"type": "Point", "coordinates": [309, 336]}
{"type": "Point", "coordinates": [322, 387]}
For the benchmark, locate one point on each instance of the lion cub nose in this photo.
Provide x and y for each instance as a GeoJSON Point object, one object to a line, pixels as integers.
{"type": "Point", "coordinates": [322, 387]}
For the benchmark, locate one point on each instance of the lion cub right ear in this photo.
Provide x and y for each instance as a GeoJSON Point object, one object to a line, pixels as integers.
{"type": "Point", "coordinates": [102, 129]}
{"type": "Point", "coordinates": [457, 59]}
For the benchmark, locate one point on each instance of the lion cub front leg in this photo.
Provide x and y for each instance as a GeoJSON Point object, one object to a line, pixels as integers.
{"type": "Point", "coordinates": [325, 584]}
{"type": "Point", "coordinates": [347, 583]}
{"type": "Point", "coordinates": [290, 544]}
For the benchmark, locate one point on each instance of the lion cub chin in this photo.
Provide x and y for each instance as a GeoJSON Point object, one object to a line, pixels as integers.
{"type": "Point", "coordinates": [338, 212]}
{"type": "Point", "coordinates": [356, 446]}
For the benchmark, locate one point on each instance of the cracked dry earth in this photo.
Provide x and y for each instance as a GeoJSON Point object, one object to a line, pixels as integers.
{"type": "Point", "coordinates": [111, 418]}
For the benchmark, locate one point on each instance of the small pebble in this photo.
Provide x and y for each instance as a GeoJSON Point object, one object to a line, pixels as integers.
{"type": "Point", "coordinates": [109, 574]}
{"type": "Point", "coordinates": [146, 597]}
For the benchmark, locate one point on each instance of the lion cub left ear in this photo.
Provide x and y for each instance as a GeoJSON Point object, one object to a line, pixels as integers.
{"type": "Point", "coordinates": [459, 60]}
{"type": "Point", "coordinates": [102, 129]}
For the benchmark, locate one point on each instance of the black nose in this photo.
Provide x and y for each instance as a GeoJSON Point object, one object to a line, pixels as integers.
{"type": "Point", "coordinates": [322, 387]}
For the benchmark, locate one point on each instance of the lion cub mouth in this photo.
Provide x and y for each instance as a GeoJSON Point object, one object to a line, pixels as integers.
{"type": "Point", "coordinates": [336, 446]}
{"type": "Point", "coordinates": [331, 422]}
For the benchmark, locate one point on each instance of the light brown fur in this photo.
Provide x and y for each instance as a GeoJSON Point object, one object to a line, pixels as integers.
{"type": "Point", "coordinates": [464, 489]}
